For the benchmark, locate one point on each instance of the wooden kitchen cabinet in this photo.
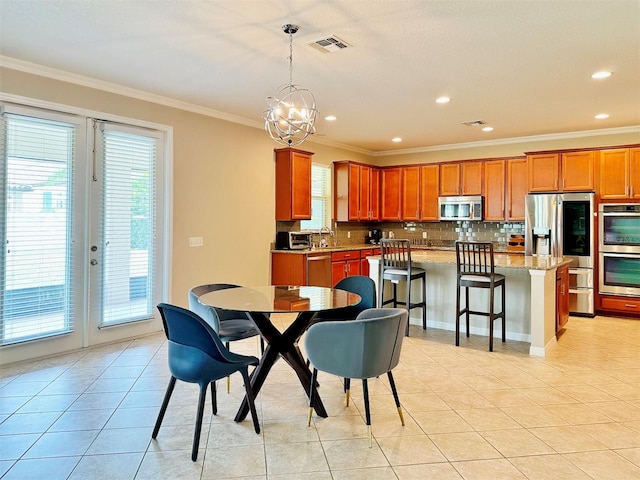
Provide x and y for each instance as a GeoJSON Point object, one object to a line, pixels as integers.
{"type": "Point", "coordinates": [562, 297]}
{"type": "Point", "coordinates": [410, 191]}
{"type": "Point", "coordinates": [391, 191]}
{"type": "Point", "coordinates": [619, 174]}
{"type": "Point", "coordinates": [301, 269]}
{"type": "Point", "coordinates": [429, 189]}
{"type": "Point", "coordinates": [344, 264]}
{"type": "Point", "coordinates": [293, 184]}
{"type": "Point", "coordinates": [364, 263]}
{"type": "Point", "coordinates": [494, 190]}
{"type": "Point", "coordinates": [544, 172]}
{"type": "Point", "coordinates": [449, 179]}
{"type": "Point", "coordinates": [577, 171]}
{"type": "Point", "coordinates": [356, 192]}
{"type": "Point", "coordinates": [471, 175]}
{"type": "Point", "coordinates": [620, 305]}
{"type": "Point", "coordinates": [516, 188]}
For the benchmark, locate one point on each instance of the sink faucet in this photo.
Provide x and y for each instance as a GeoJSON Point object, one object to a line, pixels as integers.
{"type": "Point", "coordinates": [323, 241]}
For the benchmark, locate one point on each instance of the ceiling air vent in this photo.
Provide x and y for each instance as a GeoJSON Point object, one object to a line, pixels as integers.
{"type": "Point", "coordinates": [474, 123]}
{"type": "Point", "coordinates": [330, 44]}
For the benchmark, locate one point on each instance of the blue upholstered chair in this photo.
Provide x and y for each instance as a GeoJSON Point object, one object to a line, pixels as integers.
{"type": "Point", "coordinates": [196, 355]}
{"type": "Point", "coordinates": [360, 285]}
{"type": "Point", "coordinates": [228, 324]}
{"type": "Point", "coordinates": [363, 348]}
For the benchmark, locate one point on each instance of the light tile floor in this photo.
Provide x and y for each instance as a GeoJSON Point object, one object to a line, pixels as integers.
{"type": "Point", "coordinates": [469, 414]}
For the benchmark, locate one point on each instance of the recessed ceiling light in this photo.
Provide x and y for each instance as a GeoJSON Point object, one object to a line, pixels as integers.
{"type": "Point", "coordinates": [330, 118]}
{"type": "Point", "coordinates": [602, 74]}
{"type": "Point", "coordinates": [487, 129]}
{"type": "Point", "coordinates": [396, 139]}
{"type": "Point", "coordinates": [443, 100]}
{"type": "Point", "coordinates": [601, 116]}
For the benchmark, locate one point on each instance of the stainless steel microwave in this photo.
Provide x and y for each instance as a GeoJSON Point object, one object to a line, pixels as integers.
{"type": "Point", "coordinates": [460, 208]}
{"type": "Point", "coordinates": [293, 240]}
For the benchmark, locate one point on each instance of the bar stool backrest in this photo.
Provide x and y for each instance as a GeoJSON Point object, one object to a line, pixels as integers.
{"type": "Point", "coordinates": [395, 254]}
{"type": "Point", "coordinates": [475, 258]}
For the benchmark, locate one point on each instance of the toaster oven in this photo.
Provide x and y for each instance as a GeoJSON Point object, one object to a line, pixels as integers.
{"type": "Point", "coordinates": [293, 240]}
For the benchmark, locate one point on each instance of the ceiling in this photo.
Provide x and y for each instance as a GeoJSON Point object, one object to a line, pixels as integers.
{"type": "Point", "coordinates": [522, 66]}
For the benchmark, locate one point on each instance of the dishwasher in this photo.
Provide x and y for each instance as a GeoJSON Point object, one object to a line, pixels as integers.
{"type": "Point", "coordinates": [319, 270]}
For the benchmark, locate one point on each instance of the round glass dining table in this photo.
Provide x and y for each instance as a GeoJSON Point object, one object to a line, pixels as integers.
{"type": "Point", "coordinates": [259, 302]}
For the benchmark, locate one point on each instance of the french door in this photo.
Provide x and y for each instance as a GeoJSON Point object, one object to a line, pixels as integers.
{"type": "Point", "coordinates": [81, 231]}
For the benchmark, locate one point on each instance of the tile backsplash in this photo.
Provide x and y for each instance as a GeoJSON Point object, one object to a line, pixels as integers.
{"type": "Point", "coordinates": [437, 233]}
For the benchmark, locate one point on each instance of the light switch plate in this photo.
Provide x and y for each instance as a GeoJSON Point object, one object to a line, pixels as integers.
{"type": "Point", "coordinates": [196, 241]}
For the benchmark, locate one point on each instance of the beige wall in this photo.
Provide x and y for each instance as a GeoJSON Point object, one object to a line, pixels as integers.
{"type": "Point", "coordinates": [223, 182]}
{"type": "Point", "coordinates": [223, 178]}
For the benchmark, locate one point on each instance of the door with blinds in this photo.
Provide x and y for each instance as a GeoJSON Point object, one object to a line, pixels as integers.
{"type": "Point", "coordinates": [79, 226]}
{"type": "Point", "coordinates": [124, 267]}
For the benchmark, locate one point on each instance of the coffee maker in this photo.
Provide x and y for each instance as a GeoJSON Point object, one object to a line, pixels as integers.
{"type": "Point", "coordinates": [374, 236]}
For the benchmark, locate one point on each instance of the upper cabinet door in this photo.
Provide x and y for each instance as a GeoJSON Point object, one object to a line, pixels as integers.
{"type": "Point", "coordinates": [374, 191]}
{"type": "Point", "coordinates": [634, 173]}
{"type": "Point", "coordinates": [429, 189]}
{"type": "Point", "coordinates": [449, 179]}
{"type": "Point", "coordinates": [391, 193]}
{"type": "Point", "coordinates": [494, 172]}
{"type": "Point", "coordinates": [544, 172]}
{"type": "Point", "coordinates": [293, 184]}
{"type": "Point", "coordinates": [354, 191]}
{"type": "Point", "coordinates": [516, 188]}
{"type": "Point", "coordinates": [471, 178]}
{"type": "Point", "coordinates": [577, 171]}
{"type": "Point", "coordinates": [410, 193]}
{"type": "Point", "coordinates": [365, 193]}
{"type": "Point", "coordinates": [614, 174]}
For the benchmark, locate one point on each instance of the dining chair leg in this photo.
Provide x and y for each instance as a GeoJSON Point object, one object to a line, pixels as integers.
{"type": "Point", "coordinates": [347, 389]}
{"type": "Point", "coordinates": [163, 408]}
{"type": "Point", "coordinates": [367, 411]}
{"type": "Point", "coordinates": [196, 435]}
{"type": "Point", "coordinates": [312, 390]}
{"type": "Point", "coordinates": [395, 396]}
{"type": "Point", "coordinates": [214, 399]}
{"type": "Point", "coordinates": [251, 400]}
{"type": "Point", "coordinates": [228, 378]}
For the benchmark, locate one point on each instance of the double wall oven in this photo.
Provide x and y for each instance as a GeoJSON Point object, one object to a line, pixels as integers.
{"type": "Point", "coordinates": [619, 272]}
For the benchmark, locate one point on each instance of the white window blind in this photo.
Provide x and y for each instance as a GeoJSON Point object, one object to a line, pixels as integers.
{"type": "Point", "coordinates": [320, 199]}
{"type": "Point", "coordinates": [36, 172]}
{"type": "Point", "coordinates": [128, 225]}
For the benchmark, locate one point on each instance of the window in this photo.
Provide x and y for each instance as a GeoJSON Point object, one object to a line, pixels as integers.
{"type": "Point", "coordinates": [320, 199]}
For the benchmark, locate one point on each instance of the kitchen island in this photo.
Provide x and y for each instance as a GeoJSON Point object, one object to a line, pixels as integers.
{"type": "Point", "coordinates": [530, 295]}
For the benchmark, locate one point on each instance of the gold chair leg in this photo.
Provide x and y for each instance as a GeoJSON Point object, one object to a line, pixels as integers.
{"type": "Point", "coordinates": [401, 415]}
{"type": "Point", "coordinates": [348, 396]}
{"type": "Point", "coordinates": [310, 415]}
{"type": "Point", "coordinates": [370, 435]}
{"type": "Point", "coordinates": [228, 384]}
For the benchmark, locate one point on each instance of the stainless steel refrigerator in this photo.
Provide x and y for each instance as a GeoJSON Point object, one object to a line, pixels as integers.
{"type": "Point", "coordinates": [562, 225]}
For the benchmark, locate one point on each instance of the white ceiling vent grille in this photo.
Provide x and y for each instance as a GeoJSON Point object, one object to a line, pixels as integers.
{"type": "Point", "coordinates": [330, 44]}
{"type": "Point", "coordinates": [474, 123]}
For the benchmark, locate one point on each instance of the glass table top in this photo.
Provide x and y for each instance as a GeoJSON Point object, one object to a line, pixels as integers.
{"type": "Point", "coordinates": [275, 299]}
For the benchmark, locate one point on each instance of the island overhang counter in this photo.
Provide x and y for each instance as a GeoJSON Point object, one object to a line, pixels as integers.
{"type": "Point", "coordinates": [530, 295]}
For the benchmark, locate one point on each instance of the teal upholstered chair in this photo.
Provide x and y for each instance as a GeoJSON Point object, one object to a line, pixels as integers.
{"type": "Point", "coordinates": [196, 355]}
{"type": "Point", "coordinates": [363, 348]}
{"type": "Point", "coordinates": [228, 324]}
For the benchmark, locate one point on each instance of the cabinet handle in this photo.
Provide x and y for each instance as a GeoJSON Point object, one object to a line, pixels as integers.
{"type": "Point", "coordinates": [631, 305]}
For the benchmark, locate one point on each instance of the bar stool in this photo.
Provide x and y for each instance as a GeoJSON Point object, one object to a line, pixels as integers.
{"type": "Point", "coordinates": [395, 266]}
{"type": "Point", "coordinates": [475, 266]}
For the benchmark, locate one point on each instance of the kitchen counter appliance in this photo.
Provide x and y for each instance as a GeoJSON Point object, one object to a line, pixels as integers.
{"type": "Point", "coordinates": [460, 208]}
{"type": "Point", "coordinates": [562, 225]}
{"type": "Point", "coordinates": [619, 272]}
{"type": "Point", "coordinates": [293, 240]}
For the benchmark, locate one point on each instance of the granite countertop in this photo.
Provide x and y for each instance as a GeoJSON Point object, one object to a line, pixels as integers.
{"type": "Point", "coordinates": [425, 254]}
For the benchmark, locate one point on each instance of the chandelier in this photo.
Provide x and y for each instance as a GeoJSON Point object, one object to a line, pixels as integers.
{"type": "Point", "coordinates": [291, 113]}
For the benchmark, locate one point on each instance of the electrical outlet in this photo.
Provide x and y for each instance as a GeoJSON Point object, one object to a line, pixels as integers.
{"type": "Point", "coordinates": [424, 234]}
{"type": "Point", "coordinates": [348, 234]}
{"type": "Point", "coordinates": [196, 241]}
